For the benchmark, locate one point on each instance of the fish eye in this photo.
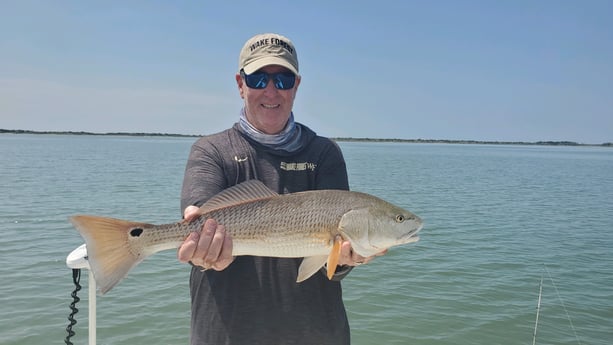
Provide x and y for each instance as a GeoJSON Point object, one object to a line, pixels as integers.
{"type": "Point", "coordinates": [399, 218]}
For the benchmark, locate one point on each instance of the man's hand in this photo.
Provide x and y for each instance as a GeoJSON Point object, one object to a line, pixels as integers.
{"type": "Point", "coordinates": [211, 248]}
{"type": "Point", "coordinates": [350, 258]}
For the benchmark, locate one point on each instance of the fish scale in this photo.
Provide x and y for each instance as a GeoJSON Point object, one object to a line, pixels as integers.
{"type": "Point", "coordinates": [293, 227]}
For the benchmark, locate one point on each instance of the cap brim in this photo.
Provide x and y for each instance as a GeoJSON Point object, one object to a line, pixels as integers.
{"type": "Point", "coordinates": [267, 61]}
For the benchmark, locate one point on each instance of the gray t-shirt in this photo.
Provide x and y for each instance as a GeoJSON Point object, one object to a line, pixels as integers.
{"type": "Point", "coordinates": [256, 300]}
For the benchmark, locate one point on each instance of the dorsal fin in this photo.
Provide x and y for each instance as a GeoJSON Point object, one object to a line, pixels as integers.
{"type": "Point", "coordinates": [247, 191]}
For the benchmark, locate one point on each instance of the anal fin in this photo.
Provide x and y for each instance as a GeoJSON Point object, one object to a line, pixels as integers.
{"type": "Point", "coordinates": [309, 266]}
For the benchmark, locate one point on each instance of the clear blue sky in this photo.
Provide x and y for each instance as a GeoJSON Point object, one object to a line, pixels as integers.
{"type": "Point", "coordinates": [471, 70]}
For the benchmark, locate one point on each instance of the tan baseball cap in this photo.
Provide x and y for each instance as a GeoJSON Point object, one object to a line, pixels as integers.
{"type": "Point", "coordinates": [268, 49]}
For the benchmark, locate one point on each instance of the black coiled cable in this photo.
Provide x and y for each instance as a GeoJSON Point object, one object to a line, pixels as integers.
{"type": "Point", "coordinates": [76, 277]}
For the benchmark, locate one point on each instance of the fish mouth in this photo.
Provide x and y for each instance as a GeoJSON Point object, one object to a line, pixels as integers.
{"type": "Point", "coordinates": [411, 236]}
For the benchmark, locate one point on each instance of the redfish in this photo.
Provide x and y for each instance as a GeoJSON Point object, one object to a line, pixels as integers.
{"type": "Point", "coordinates": [261, 223]}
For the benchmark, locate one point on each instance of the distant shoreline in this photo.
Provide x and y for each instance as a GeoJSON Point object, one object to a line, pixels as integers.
{"type": "Point", "coordinates": [341, 139]}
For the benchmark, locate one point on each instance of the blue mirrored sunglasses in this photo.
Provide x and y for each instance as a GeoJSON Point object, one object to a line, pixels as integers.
{"type": "Point", "coordinates": [259, 80]}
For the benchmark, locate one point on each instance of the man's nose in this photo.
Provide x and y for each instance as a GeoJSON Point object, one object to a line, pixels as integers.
{"type": "Point", "coordinates": [270, 87]}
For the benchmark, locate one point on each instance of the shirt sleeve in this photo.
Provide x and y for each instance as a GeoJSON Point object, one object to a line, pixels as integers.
{"type": "Point", "coordinates": [204, 175]}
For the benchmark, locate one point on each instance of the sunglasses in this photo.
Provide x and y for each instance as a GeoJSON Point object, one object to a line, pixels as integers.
{"type": "Point", "coordinates": [259, 80]}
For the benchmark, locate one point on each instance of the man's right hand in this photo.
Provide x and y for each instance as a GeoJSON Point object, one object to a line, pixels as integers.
{"type": "Point", "coordinates": [211, 248]}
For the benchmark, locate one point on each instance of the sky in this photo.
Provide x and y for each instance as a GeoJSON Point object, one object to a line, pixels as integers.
{"type": "Point", "coordinates": [452, 70]}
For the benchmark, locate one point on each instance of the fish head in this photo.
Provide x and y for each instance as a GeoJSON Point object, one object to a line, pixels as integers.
{"type": "Point", "coordinates": [379, 225]}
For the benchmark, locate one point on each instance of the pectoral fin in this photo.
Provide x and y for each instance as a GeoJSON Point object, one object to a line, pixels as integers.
{"type": "Point", "coordinates": [334, 256]}
{"type": "Point", "coordinates": [309, 266]}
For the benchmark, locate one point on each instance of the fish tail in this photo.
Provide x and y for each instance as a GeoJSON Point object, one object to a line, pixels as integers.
{"type": "Point", "coordinates": [110, 253]}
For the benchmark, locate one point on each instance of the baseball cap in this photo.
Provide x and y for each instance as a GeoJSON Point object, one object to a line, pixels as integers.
{"type": "Point", "coordinates": [268, 49]}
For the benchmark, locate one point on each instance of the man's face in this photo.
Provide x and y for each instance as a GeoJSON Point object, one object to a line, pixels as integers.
{"type": "Point", "coordinates": [268, 109]}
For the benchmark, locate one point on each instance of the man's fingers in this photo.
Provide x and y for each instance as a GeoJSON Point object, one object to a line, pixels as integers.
{"type": "Point", "coordinates": [187, 249]}
{"type": "Point", "coordinates": [351, 258]}
{"type": "Point", "coordinates": [215, 246]}
{"type": "Point", "coordinates": [211, 248]}
{"type": "Point", "coordinates": [225, 257]}
{"type": "Point", "coordinates": [206, 237]}
{"type": "Point", "coordinates": [381, 253]}
{"type": "Point", "coordinates": [346, 254]}
{"type": "Point", "coordinates": [190, 213]}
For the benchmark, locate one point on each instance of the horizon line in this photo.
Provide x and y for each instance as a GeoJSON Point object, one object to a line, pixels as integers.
{"type": "Point", "coordinates": [342, 139]}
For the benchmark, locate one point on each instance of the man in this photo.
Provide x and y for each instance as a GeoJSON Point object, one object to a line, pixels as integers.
{"type": "Point", "coordinates": [256, 300]}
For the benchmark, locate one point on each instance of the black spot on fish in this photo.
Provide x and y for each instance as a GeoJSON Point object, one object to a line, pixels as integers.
{"type": "Point", "coordinates": [136, 232]}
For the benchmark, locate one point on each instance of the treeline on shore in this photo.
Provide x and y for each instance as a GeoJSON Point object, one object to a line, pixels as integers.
{"type": "Point", "coordinates": [22, 131]}
{"type": "Point", "coordinates": [345, 139]}
{"type": "Point", "coordinates": [482, 142]}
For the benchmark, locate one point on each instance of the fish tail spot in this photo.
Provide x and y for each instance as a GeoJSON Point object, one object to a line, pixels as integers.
{"type": "Point", "coordinates": [136, 232]}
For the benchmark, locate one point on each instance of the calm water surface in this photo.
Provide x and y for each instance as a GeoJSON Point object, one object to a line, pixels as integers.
{"type": "Point", "coordinates": [497, 219]}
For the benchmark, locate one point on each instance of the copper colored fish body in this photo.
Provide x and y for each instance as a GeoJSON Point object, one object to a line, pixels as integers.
{"type": "Point", "coordinates": [261, 223]}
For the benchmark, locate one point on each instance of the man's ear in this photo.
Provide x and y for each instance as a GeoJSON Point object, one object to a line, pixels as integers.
{"type": "Point", "coordinates": [241, 85]}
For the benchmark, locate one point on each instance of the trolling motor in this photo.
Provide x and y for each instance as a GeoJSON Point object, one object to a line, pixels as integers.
{"type": "Point", "coordinates": [77, 260]}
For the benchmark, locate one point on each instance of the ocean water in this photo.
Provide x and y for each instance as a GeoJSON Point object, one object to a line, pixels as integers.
{"type": "Point", "coordinates": [498, 219]}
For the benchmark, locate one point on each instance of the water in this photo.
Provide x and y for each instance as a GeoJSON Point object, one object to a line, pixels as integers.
{"type": "Point", "coordinates": [494, 216]}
